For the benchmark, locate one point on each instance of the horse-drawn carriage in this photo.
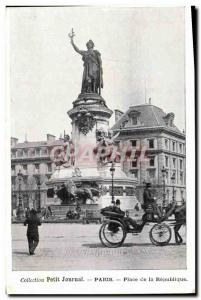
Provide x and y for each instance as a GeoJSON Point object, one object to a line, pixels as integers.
{"type": "Point", "coordinates": [116, 226]}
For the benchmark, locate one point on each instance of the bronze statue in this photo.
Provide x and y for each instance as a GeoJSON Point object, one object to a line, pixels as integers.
{"type": "Point", "coordinates": [92, 80]}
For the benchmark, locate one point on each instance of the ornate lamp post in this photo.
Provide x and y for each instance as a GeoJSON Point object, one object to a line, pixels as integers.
{"type": "Point", "coordinates": [164, 171]}
{"type": "Point", "coordinates": [173, 183]}
{"type": "Point", "coordinates": [20, 210]}
{"type": "Point", "coordinates": [112, 170]}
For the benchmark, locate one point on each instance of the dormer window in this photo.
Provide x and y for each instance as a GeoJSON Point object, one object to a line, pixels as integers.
{"type": "Point", "coordinates": [37, 151]}
{"type": "Point", "coordinates": [25, 153]}
{"type": "Point", "coordinates": [13, 154]}
{"type": "Point", "coordinates": [134, 118]}
{"type": "Point", "coordinates": [169, 119]}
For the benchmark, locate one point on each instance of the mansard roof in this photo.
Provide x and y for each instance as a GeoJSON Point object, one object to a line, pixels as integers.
{"type": "Point", "coordinates": [149, 116]}
{"type": "Point", "coordinates": [38, 144]}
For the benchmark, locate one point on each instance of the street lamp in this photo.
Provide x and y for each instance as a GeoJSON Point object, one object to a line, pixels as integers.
{"type": "Point", "coordinates": [112, 170]}
{"type": "Point", "coordinates": [20, 210]}
{"type": "Point", "coordinates": [164, 171]}
{"type": "Point", "coordinates": [38, 208]}
{"type": "Point", "coordinates": [173, 182]}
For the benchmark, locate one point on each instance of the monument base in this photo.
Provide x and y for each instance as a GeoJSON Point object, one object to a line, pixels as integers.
{"type": "Point", "coordinates": [93, 178]}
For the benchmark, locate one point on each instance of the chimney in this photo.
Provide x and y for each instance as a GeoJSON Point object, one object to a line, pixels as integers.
{"type": "Point", "coordinates": [26, 141]}
{"type": "Point", "coordinates": [14, 141]}
{"type": "Point", "coordinates": [50, 137]}
{"type": "Point", "coordinates": [118, 114]}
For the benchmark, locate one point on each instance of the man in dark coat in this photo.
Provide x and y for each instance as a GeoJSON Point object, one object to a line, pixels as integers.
{"type": "Point", "coordinates": [117, 208]}
{"type": "Point", "coordinates": [149, 200]}
{"type": "Point", "coordinates": [147, 195]}
{"type": "Point", "coordinates": [32, 231]}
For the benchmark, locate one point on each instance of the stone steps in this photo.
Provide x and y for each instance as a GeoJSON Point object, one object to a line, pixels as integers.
{"type": "Point", "coordinates": [59, 211]}
{"type": "Point", "coordinates": [87, 211]}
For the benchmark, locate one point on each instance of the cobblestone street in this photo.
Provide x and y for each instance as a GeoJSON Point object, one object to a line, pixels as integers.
{"type": "Point", "coordinates": [77, 247]}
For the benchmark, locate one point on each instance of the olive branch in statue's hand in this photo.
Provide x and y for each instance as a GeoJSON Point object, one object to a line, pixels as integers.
{"type": "Point", "coordinates": [71, 34]}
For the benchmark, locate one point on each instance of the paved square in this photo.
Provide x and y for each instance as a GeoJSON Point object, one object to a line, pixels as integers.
{"type": "Point", "coordinates": [77, 247]}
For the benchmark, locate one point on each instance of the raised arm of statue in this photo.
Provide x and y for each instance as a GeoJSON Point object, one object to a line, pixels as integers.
{"type": "Point", "coordinates": [71, 36]}
{"type": "Point", "coordinates": [76, 48]}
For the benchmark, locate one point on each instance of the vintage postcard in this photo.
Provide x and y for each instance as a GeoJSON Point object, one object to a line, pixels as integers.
{"type": "Point", "coordinates": [100, 139]}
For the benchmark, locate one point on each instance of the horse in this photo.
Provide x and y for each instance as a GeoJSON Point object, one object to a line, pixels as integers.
{"type": "Point", "coordinates": [179, 213]}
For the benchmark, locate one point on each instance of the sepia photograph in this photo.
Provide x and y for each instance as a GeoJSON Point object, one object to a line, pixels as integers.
{"type": "Point", "coordinates": [97, 118]}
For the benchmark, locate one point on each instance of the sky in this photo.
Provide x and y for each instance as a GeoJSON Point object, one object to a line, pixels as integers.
{"type": "Point", "coordinates": [143, 54]}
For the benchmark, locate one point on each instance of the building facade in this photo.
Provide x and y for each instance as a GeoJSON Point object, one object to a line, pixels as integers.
{"type": "Point", "coordinates": [151, 147]}
{"type": "Point", "coordinates": [155, 150]}
{"type": "Point", "coordinates": [34, 161]}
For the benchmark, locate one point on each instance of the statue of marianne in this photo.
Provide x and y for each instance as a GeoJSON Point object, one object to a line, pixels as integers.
{"type": "Point", "coordinates": [92, 80]}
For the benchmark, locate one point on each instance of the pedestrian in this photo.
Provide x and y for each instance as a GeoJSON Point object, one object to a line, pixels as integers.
{"type": "Point", "coordinates": [49, 210]}
{"type": "Point", "coordinates": [27, 212]}
{"type": "Point", "coordinates": [15, 213]}
{"type": "Point", "coordinates": [137, 207]}
{"type": "Point", "coordinates": [33, 222]}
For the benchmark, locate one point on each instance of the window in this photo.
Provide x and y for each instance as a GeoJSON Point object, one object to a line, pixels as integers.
{"type": "Point", "coordinates": [174, 162]}
{"type": "Point", "coordinates": [134, 120]}
{"type": "Point", "coordinates": [173, 146]}
{"type": "Point", "coordinates": [167, 176]}
{"type": "Point", "coordinates": [166, 161]}
{"type": "Point", "coordinates": [36, 168]}
{"type": "Point", "coordinates": [129, 191]}
{"type": "Point", "coordinates": [181, 164]}
{"type": "Point", "coordinates": [24, 167]}
{"type": "Point", "coordinates": [151, 173]}
{"type": "Point", "coordinates": [49, 168]}
{"type": "Point", "coordinates": [180, 148]}
{"type": "Point", "coordinates": [152, 161]}
{"type": "Point", "coordinates": [166, 144]}
{"type": "Point", "coordinates": [13, 154]}
{"type": "Point", "coordinates": [44, 151]}
{"type": "Point", "coordinates": [151, 143]}
{"type": "Point", "coordinates": [19, 153]}
{"type": "Point", "coordinates": [134, 173]}
{"type": "Point", "coordinates": [32, 152]}
{"type": "Point", "coordinates": [134, 163]}
{"type": "Point", "coordinates": [12, 170]}
{"type": "Point", "coordinates": [181, 177]}
{"type": "Point", "coordinates": [25, 179]}
{"type": "Point", "coordinates": [37, 152]}
{"type": "Point", "coordinates": [25, 153]}
{"type": "Point", "coordinates": [134, 143]}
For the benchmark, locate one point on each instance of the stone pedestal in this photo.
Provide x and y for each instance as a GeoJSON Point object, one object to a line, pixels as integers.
{"type": "Point", "coordinates": [90, 125]}
{"type": "Point", "coordinates": [90, 118]}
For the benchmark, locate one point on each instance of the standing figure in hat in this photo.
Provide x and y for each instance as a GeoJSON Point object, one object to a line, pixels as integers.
{"type": "Point", "coordinates": [149, 200]}
{"type": "Point", "coordinates": [33, 222]}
